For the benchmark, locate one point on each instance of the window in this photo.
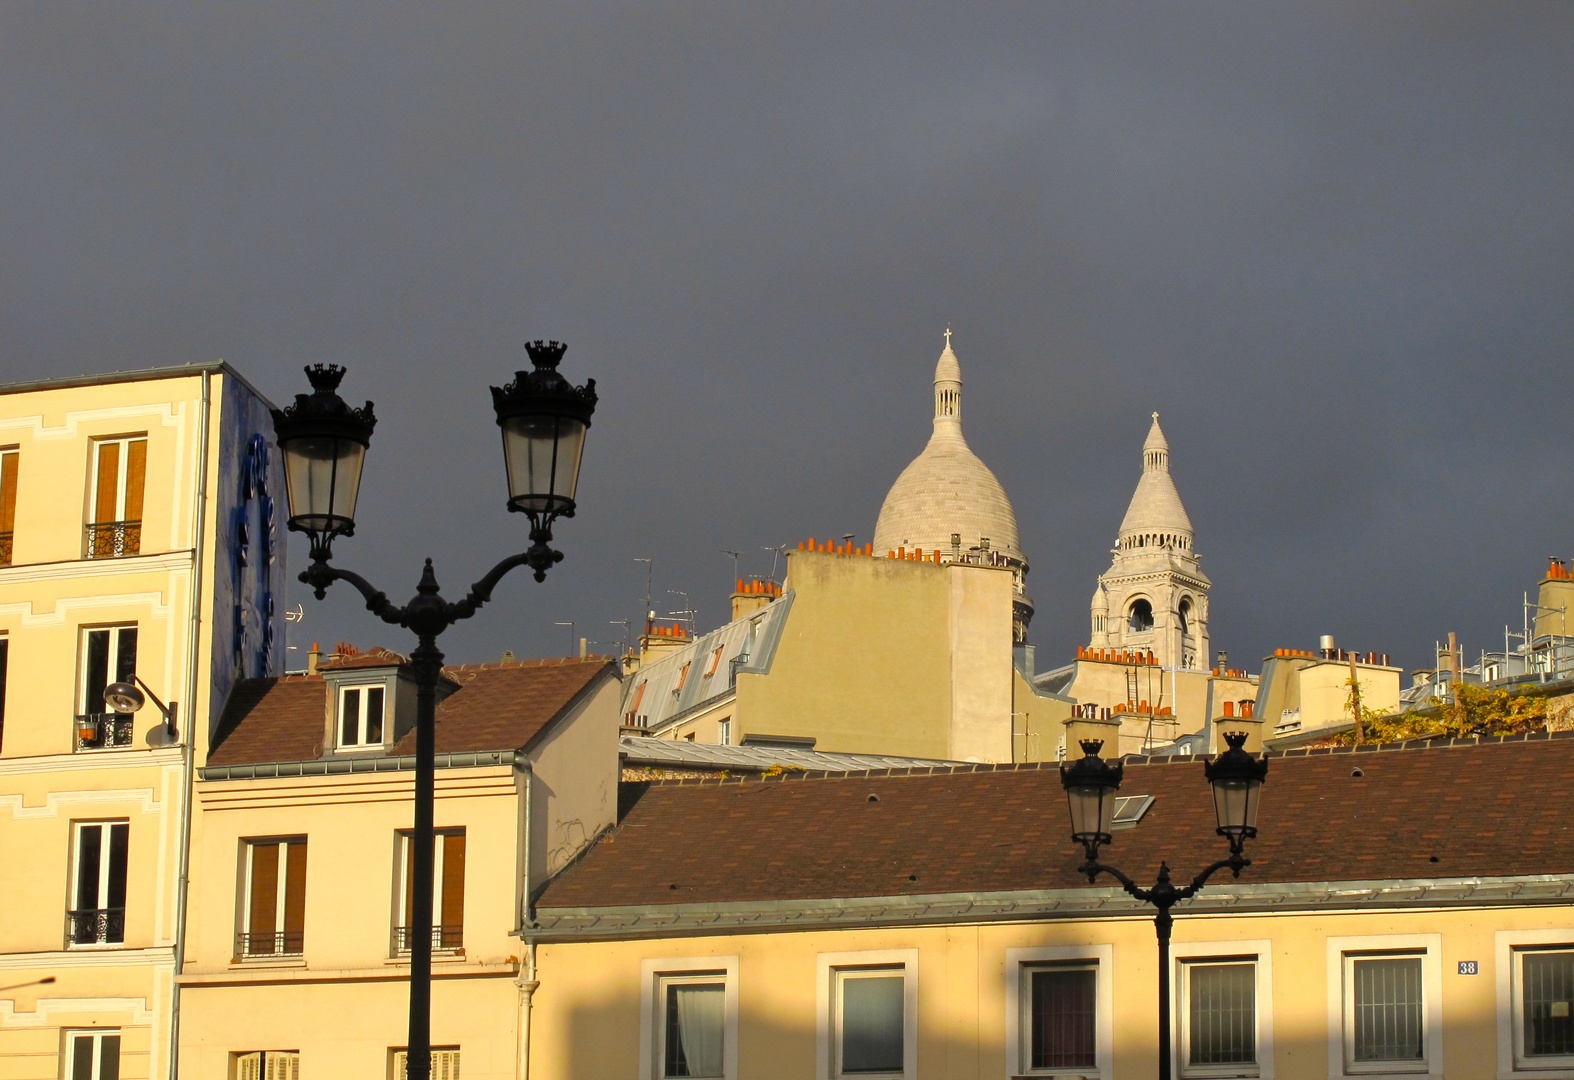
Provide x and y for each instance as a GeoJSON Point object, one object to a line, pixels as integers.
{"type": "Point", "coordinates": [723, 726]}
{"type": "Point", "coordinates": [448, 891]}
{"type": "Point", "coordinates": [98, 916]}
{"type": "Point", "coordinates": [715, 661]}
{"type": "Point", "coordinates": [119, 470]}
{"type": "Point", "coordinates": [683, 677]}
{"type": "Point", "coordinates": [268, 1065]}
{"type": "Point", "coordinates": [1384, 1001]}
{"type": "Point", "coordinates": [1224, 995]}
{"type": "Point", "coordinates": [93, 1055]}
{"type": "Point", "coordinates": [445, 1063]}
{"type": "Point", "coordinates": [8, 464]}
{"type": "Point", "coordinates": [1141, 616]}
{"type": "Point", "coordinates": [639, 696]}
{"type": "Point", "coordinates": [1059, 1008]}
{"type": "Point", "coordinates": [273, 907]}
{"type": "Point", "coordinates": [868, 1014]}
{"type": "Point", "coordinates": [1185, 616]}
{"type": "Point", "coordinates": [689, 1018]}
{"type": "Point", "coordinates": [109, 655]}
{"type": "Point", "coordinates": [361, 716]}
{"type": "Point", "coordinates": [1541, 977]}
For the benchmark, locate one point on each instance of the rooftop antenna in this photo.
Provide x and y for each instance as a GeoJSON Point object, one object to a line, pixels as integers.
{"type": "Point", "coordinates": [776, 553]}
{"type": "Point", "coordinates": [650, 612]}
{"type": "Point", "coordinates": [628, 632]}
{"type": "Point", "coordinates": [687, 610]}
{"type": "Point", "coordinates": [570, 626]}
{"type": "Point", "coordinates": [848, 537]}
{"type": "Point", "coordinates": [734, 555]}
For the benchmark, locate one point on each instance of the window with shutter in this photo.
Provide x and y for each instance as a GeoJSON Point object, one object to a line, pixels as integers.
{"type": "Point", "coordinates": [9, 459]}
{"type": "Point", "coordinates": [445, 1063]}
{"type": "Point", "coordinates": [267, 1065]}
{"type": "Point", "coordinates": [273, 905]}
{"type": "Point", "coordinates": [119, 476]}
{"type": "Point", "coordinates": [448, 892]}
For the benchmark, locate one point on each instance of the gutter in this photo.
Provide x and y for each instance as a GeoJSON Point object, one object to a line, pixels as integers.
{"type": "Point", "coordinates": [637, 922]}
{"type": "Point", "coordinates": [188, 750]}
{"type": "Point", "coordinates": [269, 770]}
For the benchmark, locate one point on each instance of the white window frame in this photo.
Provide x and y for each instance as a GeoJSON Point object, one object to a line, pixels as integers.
{"type": "Point", "coordinates": [1508, 944]}
{"type": "Point", "coordinates": [1341, 1001]}
{"type": "Point", "coordinates": [1258, 951]}
{"type": "Point", "coordinates": [654, 977]}
{"type": "Point", "coordinates": [360, 727]}
{"type": "Point", "coordinates": [724, 731]}
{"type": "Point", "coordinates": [123, 460]}
{"type": "Point", "coordinates": [111, 662]}
{"type": "Point", "coordinates": [1020, 963]}
{"type": "Point", "coordinates": [828, 968]}
{"type": "Point", "coordinates": [96, 1035]}
{"type": "Point", "coordinates": [105, 851]}
{"type": "Point", "coordinates": [404, 866]}
{"type": "Point", "coordinates": [281, 889]}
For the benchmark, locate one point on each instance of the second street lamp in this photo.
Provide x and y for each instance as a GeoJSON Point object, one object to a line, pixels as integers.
{"type": "Point", "coordinates": [1091, 784]}
{"type": "Point", "coordinates": [324, 442]}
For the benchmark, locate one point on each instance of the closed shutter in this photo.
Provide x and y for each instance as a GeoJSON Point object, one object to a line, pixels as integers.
{"type": "Point", "coordinates": [248, 1067]}
{"type": "Point", "coordinates": [445, 1065]}
{"type": "Point", "coordinates": [295, 897]}
{"type": "Point", "coordinates": [108, 482]}
{"type": "Point", "coordinates": [452, 918]}
{"type": "Point", "coordinates": [282, 1066]}
{"type": "Point", "coordinates": [264, 897]}
{"type": "Point", "coordinates": [136, 476]}
{"type": "Point", "coordinates": [8, 463]}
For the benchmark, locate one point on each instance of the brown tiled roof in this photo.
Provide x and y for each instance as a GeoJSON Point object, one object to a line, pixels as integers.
{"type": "Point", "coordinates": [1498, 808]}
{"type": "Point", "coordinates": [497, 707]}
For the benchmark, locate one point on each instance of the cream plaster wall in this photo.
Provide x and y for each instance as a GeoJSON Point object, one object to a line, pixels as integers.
{"type": "Point", "coordinates": [587, 1010]}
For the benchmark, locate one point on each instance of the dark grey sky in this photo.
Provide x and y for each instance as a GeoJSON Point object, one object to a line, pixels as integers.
{"type": "Point", "coordinates": [1332, 243]}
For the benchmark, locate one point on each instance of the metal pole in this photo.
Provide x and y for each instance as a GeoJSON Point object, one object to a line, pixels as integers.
{"type": "Point", "coordinates": [428, 664]}
{"type": "Point", "coordinates": [1161, 923]}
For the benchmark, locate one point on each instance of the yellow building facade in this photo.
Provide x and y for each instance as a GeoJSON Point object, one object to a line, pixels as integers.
{"type": "Point", "coordinates": [138, 541]}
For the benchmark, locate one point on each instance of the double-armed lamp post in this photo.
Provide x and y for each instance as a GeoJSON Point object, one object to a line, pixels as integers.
{"type": "Point", "coordinates": [1091, 784]}
{"type": "Point", "coordinates": [324, 441]}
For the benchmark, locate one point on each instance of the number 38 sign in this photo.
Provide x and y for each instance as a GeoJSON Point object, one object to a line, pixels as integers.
{"type": "Point", "coordinates": [1467, 967]}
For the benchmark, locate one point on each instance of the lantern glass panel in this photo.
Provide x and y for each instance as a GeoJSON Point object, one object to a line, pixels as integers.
{"type": "Point", "coordinates": [1092, 809]}
{"type": "Point", "coordinates": [1235, 803]}
{"type": "Point", "coordinates": [542, 454]}
{"type": "Point", "coordinates": [323, 474]}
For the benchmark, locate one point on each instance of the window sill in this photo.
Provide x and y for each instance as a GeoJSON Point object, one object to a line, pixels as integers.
{"type": "Point", "coordinates": [439, 956]}
{"type": "Point", "coordinates": [287, 960]}
{"type": "Point", "coordinates": [95, 946]}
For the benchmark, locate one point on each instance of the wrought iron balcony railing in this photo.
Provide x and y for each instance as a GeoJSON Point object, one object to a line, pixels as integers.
{"type": "Point", "coordinates": [103, 731]}
{"type": "Point", "coordinates": [278, 943]}
{"type": "Point", "coordinates": [112, 539]}
{"type": "Point", "coordinates": [96, 926]}
{"type": "Point", "coordinates": [5, 548]}
{"type": "Point", "coordinates": [449, 938]}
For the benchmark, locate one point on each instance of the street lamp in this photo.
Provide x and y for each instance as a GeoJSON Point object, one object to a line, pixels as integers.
{"type": "Point", "coordinates": [324, 441]}
{"type": "Point", "coordinates": [1091, 784]}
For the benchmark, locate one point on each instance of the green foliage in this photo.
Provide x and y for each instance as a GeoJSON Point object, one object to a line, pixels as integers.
{"type": "Point", "coordinates": [1475, 711]}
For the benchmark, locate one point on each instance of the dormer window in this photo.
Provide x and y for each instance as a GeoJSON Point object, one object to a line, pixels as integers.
{"type": "Point", "coordinates": [361, 716]}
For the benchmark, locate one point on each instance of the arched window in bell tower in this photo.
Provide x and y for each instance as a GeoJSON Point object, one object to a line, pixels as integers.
{"type": "Point", "coordinates": [1141, 616]}
{"type": "Point", "coordinates": [1185, 615]}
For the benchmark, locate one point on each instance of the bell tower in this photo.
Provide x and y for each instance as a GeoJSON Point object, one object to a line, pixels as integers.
{"type": "Point", "coordinates": [1154, 596]}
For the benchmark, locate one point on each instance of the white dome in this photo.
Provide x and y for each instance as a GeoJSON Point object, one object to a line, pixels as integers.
{"type": "Point", "coordinates": [947, 490]}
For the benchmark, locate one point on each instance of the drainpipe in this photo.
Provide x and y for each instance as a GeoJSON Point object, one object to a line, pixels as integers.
{"type": "Point", "coordinates": [527, 983]}
{"type": "Point", "coordinates": [188, 744]}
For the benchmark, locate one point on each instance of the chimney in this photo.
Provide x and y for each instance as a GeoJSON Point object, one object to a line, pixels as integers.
{"type": "Point", "coordinates": [584, 648]}
{"type": "Point", "coordinates": [751, 597]}
{"type": "Point", "coordinates": [313, 658]}
{"type": "Point", "coordinates": [1325, 645]}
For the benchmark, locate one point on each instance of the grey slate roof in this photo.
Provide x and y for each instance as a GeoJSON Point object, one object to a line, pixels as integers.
{"type": "Point", "coordinates": [680, 753]}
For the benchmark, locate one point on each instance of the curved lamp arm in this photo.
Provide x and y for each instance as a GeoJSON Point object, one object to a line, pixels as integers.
{"type": "Point", "coordinates": [1165, 894]}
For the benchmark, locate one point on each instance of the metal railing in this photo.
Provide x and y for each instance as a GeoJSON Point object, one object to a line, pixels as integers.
{"type": "Point", "coordinates": [448, 938]}
{"type": "Point", "coordinates": [5, 548]}
{"type": "Point", "coordinates": [96, 926]}
{"type": "Point", "coordinates": [277, 943]}
{"type": "Point", "coordinates": [112, 539]}
{"type": "Point", "coordinates": [108, 730]}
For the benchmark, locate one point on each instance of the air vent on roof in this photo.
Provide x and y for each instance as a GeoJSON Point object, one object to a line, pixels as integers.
{"type": "Point", "coordinates": [1129, 810]}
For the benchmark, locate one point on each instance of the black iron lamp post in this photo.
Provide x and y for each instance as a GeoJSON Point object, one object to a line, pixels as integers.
{"type": "Point", "coordinates": [1091, 784]}
{"type": "Point", "coordinates": [543, 419]}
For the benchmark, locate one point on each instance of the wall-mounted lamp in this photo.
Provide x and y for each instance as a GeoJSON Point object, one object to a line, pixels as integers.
{"type": "Point", "coordinates": [125, 698]}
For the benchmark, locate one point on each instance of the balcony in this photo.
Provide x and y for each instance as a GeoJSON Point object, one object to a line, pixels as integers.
{"type": "Point", "coordinates": [96, 926]}
{"type": "Point", "coordinates": [5, 548]}
{"type": "Point", "coordinates": [114, 539]}
{"type": "Point", "coordinates": [450, 938]}
{"type": "Point", "coordinates": [103, 731]}
{"type": "Point", "coordinates": [281, 943]}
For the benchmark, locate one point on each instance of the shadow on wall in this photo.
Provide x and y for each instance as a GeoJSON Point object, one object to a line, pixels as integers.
{"type": "Point", "coordinates": [592, 1042]}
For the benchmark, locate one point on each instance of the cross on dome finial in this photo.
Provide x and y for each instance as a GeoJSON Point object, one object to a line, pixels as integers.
{"type": "Point", "coordinates": [948, 337]}
{"type": "Point", "coordinates": [1155, 416]}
